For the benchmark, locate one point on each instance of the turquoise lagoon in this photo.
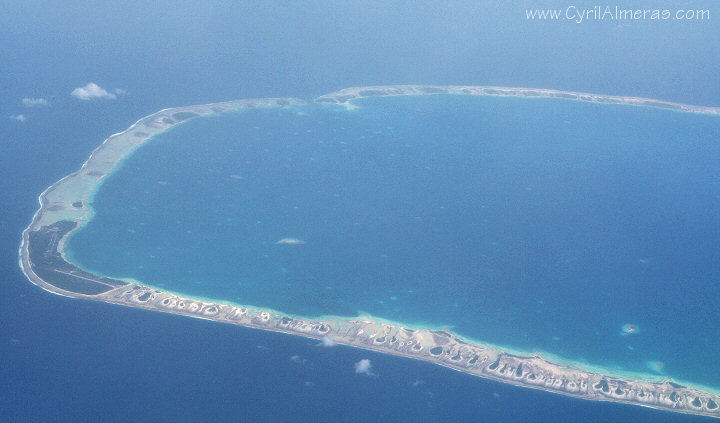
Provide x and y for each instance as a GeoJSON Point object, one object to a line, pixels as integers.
{"type": "Point", "coordinates": [538, 224]}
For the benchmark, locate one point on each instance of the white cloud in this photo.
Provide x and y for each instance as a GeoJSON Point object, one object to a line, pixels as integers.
{"type": "Point", "coordinates": [19, 118]}
{"type": "Point", "coordinates": [92, 91]}
{"type": "Point", "coordinates": [34, 102]}
{"type": "Point", "coordinates": [364, 367]}
{"type": "Point", "coordinates": [297, 359]}
{"type": "Point", "coordinates": [327, 342]}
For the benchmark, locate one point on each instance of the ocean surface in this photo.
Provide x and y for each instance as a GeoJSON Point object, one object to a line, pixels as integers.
{"type": "Point", "coordinates": [538, 224]}
{"type": "Point", "coordinates": [66, 360]}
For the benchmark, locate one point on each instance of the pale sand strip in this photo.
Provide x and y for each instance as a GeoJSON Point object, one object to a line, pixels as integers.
{"type": "Point", "coordinates": [347, 95]}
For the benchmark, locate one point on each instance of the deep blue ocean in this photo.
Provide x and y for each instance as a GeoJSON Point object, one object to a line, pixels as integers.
{"type": "Point", "coordinates": [71, 360]}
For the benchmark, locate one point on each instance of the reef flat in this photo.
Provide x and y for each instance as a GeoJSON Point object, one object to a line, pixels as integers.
{"type": "Point", "coordinates": [346, 96]}
{"type": "Point", "coordinates": [67, 206]}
